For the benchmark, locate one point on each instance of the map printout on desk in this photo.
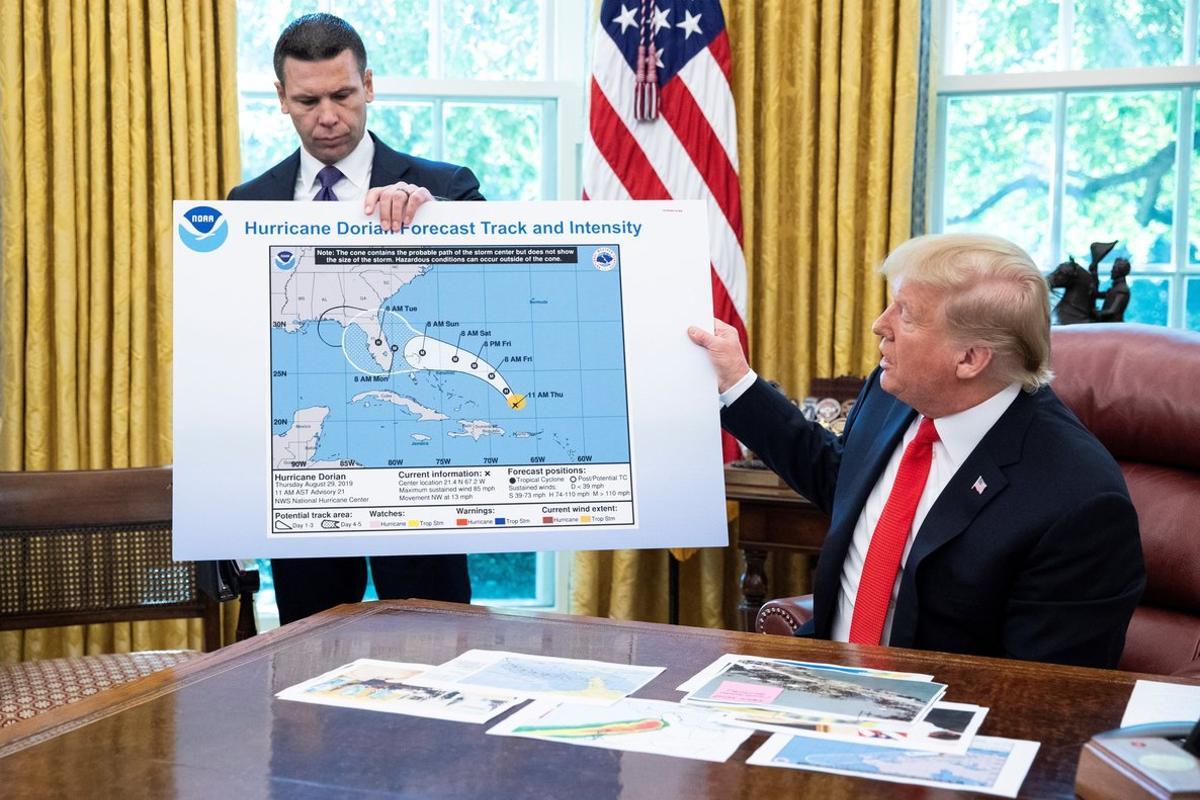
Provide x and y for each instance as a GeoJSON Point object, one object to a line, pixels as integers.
{"type": "Point", "coordinates": [846, 694]}
{"type": "Point", "coordinates": [992, 765]}
{"type": "Point", "coordinates": [542, 677]}
{"type": "Point", "coordinates": [373, 685]}
{"type": "Point", "coordinates": [632, 724]}
{"type": "Point", "coordinates": [946, 728]}
{"type": "Point", "coordinates": [494, 377]}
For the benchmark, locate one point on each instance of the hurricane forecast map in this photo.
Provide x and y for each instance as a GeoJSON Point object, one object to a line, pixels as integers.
{"type": "Point", "coordinates": [466, 386]}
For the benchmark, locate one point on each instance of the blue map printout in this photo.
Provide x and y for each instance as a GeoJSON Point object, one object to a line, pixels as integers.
{"type": "Point", "coordinates": [447, 387]}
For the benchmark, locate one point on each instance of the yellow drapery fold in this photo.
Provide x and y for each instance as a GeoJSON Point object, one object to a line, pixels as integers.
{"type": "Point", "coordinates": [826, 97]}
{"type": "Point", "coordinates": [108, 111]}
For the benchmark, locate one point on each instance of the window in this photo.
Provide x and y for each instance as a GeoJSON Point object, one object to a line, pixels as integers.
{"type": "Point", "coordinates": [497, 85]}
{"type": "Point", "coordinates": [1063, 122]}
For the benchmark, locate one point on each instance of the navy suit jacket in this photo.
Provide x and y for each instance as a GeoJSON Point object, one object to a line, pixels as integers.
{"type": "Point", "coordinates": [444, 181]}
{"type": "Point", "coordinates": [1044, 564]}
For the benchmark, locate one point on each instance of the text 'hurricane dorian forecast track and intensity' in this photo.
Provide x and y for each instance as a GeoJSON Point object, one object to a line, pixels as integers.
{"type": "Point", "coordinates": [435, 388]}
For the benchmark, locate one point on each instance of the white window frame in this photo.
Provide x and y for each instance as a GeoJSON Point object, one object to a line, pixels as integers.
{"type": "Point", "coordinates": [561, 97]}
{"type": "Point", "coordinates": [1065, 81]}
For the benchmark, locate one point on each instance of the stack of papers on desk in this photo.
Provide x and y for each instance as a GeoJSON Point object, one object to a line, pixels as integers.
{"type": "Point", "coordinates": [576, 701]}
{"type": "Point", "coordinates": [587, 703]}
{"type": "Point", "coordinates": [862, 722]}
{"type": "Point", "coordinates": [876, 724]}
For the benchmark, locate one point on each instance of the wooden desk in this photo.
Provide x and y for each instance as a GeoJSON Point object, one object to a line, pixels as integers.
{"type": "Point", "coordinates": [771, 517]}
{"type": "Point", "coordinates": [212, 726]}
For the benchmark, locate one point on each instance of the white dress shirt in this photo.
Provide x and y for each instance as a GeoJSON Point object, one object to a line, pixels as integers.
{"type": "Point", "coordinates": [958, 435]}
{"type": "Point", "coordinates": [738, 389]}
{"type": "Point", "coordinates": [356, 173]}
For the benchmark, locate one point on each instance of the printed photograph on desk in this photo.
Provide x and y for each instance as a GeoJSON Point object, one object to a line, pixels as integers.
{"type": "Point", "coordinates": [947, 728]}
{"type": "Point", "coordinates": [545, 677]}
{"type": "Point", "coordinates": [632, 724]}
{"type": "Point", "coordinates": [991, 766]}
{"type": "Point", "coordinates": [717, 667]}
{"type": "Point", "coordinates": [383, 686]}
{"type": "Point", "coordinates": [813, 690]}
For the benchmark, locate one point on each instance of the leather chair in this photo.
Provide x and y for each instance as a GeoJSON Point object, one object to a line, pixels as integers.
{"type": "Point", "coordinates": [1137, 388]}
{"type": "Point", "coordinates": [82, 547]}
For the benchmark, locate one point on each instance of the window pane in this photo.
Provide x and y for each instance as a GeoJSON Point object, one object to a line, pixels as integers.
{"type": "Point", "coordinates": [407, 127]}
{"type": "Point", "coordinates": [1127, 33]}
{"type": "Point", "coordinates": [503, 576]}
{"type": "Point", "coordinates": [999, 154]}
{"type": "Point", "coordinates": [1191, 311]}
{"type": "Point", "coordinates": [267, 136]}
{"type": "Point", "coordinates": [259, 25]}
{"type": "Point", "coordinates": [494, 576]}
{"type": "Point", "coordinates": [1120, 174]}
{"type": "Point", "coordinates": [1149, 300]}
{"type": "Point", "coordinates": [1003, 36]}
{"type": "Point", "coordinates": [266, 613]}
{"type": "Point", "coordinates": [501, 144]}
{"type": "Point", "coordinates": [492, 39]}
{"type": "Point", "coordinates": [1193, 255]}
{"type": "Point", "coordinates": [396, 34]}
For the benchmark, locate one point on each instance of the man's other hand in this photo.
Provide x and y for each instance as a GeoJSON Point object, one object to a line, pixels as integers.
{"type": "Point", "coordinates": [397, 203]}
{"type": "Point", "coordinates": [724, 351]}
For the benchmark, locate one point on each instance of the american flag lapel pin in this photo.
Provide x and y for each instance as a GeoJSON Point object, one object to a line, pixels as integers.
{"type": "Point", "coordinates": [979, 485]}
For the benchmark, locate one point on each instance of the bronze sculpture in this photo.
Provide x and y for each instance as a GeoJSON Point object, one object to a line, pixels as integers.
{"type": "Point", "coordinates": [1078, 301]}
{"type": "Point", "coordinates": [1116, 297]}
{"type": "Point", "coordinates": [1081, 289]}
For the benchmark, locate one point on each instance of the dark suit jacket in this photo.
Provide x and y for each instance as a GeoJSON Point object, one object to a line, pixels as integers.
{"type": "Point", "coordinates": [306, 586]}
{"type": "Point", "coordinates": [1045, 564]}
{"type": "Point", "coordinates": [445, 181]}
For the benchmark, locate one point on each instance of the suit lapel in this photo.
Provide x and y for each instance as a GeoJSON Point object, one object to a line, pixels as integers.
{"type": "Point", "coordinates": [977, 482]}
{"type": "Point", "coordinates": [387, 166]}
{"type": "Point", "coordinates": [282, 179]}
{"type": "Point", "coordinates": [860, 474]}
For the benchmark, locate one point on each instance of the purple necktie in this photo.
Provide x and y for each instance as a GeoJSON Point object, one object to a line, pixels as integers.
{"type": "Point", "coordinates": [328, 176]}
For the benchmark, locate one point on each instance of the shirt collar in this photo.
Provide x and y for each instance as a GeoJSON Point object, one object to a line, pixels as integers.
{"type": "Point", "coordinates": [356, 167]}
{"type": "Point", "coordinates": [960, 433]}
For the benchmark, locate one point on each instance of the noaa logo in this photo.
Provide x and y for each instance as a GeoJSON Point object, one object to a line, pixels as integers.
{"type": "Point", "coordinates": [203, 229]}
{"type": "Point", "coordinates": [604, 259]}
{"type": "Point", "coordinates": [285, 259]}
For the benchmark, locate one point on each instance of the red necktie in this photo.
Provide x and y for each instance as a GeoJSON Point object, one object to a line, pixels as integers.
{"type": "Point", "coordinates": [887, 545]}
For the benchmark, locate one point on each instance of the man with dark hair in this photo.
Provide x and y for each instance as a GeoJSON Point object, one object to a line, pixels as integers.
{"type": "Point", "coordinates": [324, 85]}
{"type": "Point", "coordinates": [318, 37]}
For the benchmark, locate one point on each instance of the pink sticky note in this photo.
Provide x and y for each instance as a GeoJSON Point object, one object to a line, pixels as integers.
{"type": "Point", "coordinates": [735, 692]}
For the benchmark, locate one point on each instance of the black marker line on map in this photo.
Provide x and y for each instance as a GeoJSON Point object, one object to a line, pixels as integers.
{"type": "Point", "coordinates": [322, 318]}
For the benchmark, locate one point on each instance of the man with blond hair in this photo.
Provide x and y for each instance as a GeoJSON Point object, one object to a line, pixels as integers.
{"type": "Point", "coordinates": [970, 511]}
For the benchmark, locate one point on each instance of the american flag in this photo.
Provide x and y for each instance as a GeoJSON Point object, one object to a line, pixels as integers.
{"type": "Point", "coordinates": [662, 127]}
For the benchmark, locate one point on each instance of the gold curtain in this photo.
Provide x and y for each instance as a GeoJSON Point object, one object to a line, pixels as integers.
{"type": "Point", "coordinates": [826, 95]}
{"type": "Point", "coordinates": [108, 111]}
